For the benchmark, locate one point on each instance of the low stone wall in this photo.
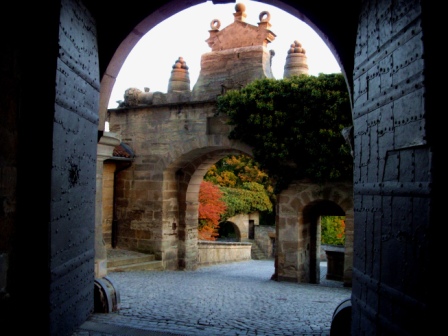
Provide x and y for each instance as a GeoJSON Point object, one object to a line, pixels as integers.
{"type": "Point", "coordinates": [213, 252]}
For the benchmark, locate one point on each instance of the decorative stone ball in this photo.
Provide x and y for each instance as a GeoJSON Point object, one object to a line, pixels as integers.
{"type": "Point", "coordinates": [239, 7]}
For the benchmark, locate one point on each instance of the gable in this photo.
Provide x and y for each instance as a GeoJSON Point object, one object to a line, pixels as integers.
{"type": "Point", "coordinates": [240, 34]}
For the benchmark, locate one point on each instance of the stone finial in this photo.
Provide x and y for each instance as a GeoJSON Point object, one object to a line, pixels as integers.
{"type": "Point", "coordinates": [180, 78]}
{"type": "Point", "coordinates": [214, 29]}
{"type": "Point", "coordinates": [240, 12]}
{"type": "Point", "coordinates": [264, 18]}
{"type": "Point", "coordinates": [215, 25]}
{"type": "Point", "coordinates": [296, 61]}
{"type": "Point", "coordinates": [296, 47]}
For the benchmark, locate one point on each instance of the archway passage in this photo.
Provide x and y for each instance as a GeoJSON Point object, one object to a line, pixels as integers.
{"type": "Point", "coordinates": [312, 231]}
{"type": "Point", "coordinates": [298, 231]}
{"type": "Point", "coordinates": [228, 231]}
{"type": "Point", "coordinates": [396, 105]}
{"type": "Point", "coordinates": [177, 136]}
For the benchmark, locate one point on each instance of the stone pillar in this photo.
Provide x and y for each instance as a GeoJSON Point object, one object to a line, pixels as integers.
{"type": "Point", "coordinates": [105, 149]}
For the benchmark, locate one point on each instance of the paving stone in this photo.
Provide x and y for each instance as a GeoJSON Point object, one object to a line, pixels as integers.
{"type": "Point", "coordinates": [229, 299]}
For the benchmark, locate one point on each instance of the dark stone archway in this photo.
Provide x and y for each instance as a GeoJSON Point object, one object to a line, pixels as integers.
{"type": "Point", "coordinates": [392, 64]}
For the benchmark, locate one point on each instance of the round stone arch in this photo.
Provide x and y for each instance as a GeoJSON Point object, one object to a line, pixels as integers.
{"type": "Point", "coordinates": [299, 209]}
{"type": "Point", "coordinates": [236, 228]}
{"type": "Point", "coordinates": [311, 229]}
{"type": "Point", "coordinates": [242, 224]}
{"type": "Point", "coordinates": [181, 184]}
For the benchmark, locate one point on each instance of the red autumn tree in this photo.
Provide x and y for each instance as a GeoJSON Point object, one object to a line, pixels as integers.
{"type": "Point", "coordinates": [211, 207]}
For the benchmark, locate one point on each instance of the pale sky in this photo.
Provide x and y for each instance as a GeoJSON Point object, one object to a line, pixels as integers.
{"type": "Point", "coordinates": [184, 34]}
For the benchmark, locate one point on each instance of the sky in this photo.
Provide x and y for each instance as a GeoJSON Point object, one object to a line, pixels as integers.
{"type": "Point", "coordinates": [184, 34]}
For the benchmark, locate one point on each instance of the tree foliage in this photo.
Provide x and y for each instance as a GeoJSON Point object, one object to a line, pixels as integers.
{"type": "Point", "coordinates": [211, 207]}
{"type": "Point", "coordinates": [333, 230]}
{"type": "Point", "coordinates": [245, 187]}
{"type": "Point", "coordinates": [294, 126]}
{"type": "Point", "coordinates": [242, 201]}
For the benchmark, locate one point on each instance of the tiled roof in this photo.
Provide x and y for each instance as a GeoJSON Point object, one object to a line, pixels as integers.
{"type": "Point", "coordinates": [123, 151]}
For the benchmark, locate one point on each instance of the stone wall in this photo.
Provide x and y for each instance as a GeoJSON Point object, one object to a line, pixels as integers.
{"type": "Point", "coordinates": [265, 239]}
{"type": "Point", "coordinates": [212, 252]}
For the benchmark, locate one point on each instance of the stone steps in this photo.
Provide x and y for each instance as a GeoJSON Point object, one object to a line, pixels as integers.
{"type": "Point", "coordinates": [256, 252]}
{"type": "Point", "coordinates": [121, 261]}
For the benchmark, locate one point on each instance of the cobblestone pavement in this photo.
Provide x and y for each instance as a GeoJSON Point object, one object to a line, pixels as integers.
{"type": "Point", "coordinates": [230, 299]}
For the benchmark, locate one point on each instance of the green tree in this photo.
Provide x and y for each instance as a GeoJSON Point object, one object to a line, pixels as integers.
{"type": "Point", "coordinates": [294, 126]}
{"type": "Point", "coordinates": [243, 201]}
{"type": "Point", "coordinates": [245, 187]}
{"type": "Point", "coordinates": [333, 230]}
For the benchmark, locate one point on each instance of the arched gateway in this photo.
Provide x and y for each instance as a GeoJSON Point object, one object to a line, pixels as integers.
{"type": "Point", "coordinates": [55, 90]}
{"type": "Point", "coordinates": [176, 137]}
